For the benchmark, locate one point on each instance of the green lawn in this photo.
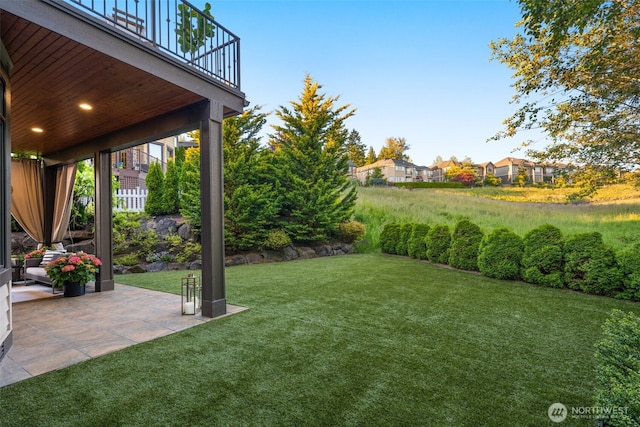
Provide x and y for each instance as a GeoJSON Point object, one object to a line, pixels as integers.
{"type": "Point", "coordinates": [615, 213]}
{"type": "Point", "coordinates": [358, 340]}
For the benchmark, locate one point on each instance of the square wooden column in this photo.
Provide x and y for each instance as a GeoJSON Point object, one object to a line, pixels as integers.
{"type": "Point", "coordinates": [104, 222]}
{"type": "Point", "coordinates": [214, 301]}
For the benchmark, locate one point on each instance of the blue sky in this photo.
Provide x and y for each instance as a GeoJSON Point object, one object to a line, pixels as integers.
{"type": "Point", "coordinates": [417, 69]}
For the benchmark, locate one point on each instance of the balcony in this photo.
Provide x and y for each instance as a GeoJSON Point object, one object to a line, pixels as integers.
{"type": "Point", "coordinates": [138, 63]}
{"type": "Point", "coordinates": [176, 28]}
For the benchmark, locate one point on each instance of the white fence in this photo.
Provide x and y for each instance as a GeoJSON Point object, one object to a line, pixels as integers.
{"type": "Point", "coordinates": [130, 200]}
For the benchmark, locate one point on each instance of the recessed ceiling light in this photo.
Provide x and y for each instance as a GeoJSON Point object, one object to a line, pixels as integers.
{"type": "Point", "coordinates": [37, 130]}
{"type": "Point", "coordinates": [86, 106]}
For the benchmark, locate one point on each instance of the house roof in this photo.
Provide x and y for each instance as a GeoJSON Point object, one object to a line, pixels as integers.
{"type": "Point", "coordinates": [446, 164]}
{"type": "Point", "coordinates": [513, 161]}
{"type": "Point", "coordinates": [388, 162]}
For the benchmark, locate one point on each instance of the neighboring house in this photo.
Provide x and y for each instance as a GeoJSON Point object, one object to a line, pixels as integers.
{"type": "Point", "coordinates": [423, 173]}
{"type": "Point", "coordinates": [508, 168]}
{"type": "Point", "coordinates": [78, 82]}
{"type": "Point", "coordinates": [351, 173]}
{"type": "Point", "coordinates": [439, 170]}
{"type": "Point", "coordinates": [130, 166]}
{"type": "Point", "coordinates": [484, 169]}
{"type": "Point", "coordinates": [394, 170]}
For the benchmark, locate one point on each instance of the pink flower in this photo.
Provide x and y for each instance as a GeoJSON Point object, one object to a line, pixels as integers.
{"type": "Point", "coordinates": [74, 260]}
{"type": "Point", "coordinates": [68, 268]}
{"type": "Point", "coordinates": [97, 262]}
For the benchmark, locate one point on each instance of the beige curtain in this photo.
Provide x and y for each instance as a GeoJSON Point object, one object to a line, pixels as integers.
{"type": "Point", "coordinates": [27, 201]}
{"type": "Point", "coordinates": [65, 177]}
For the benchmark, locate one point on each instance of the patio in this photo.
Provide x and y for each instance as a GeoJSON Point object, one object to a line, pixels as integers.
{"type": "Point", "coordinates": [52, 332]}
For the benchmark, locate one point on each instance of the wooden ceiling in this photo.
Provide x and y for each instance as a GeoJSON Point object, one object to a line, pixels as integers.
{"type": "Point", "coordinates": [52, 75]}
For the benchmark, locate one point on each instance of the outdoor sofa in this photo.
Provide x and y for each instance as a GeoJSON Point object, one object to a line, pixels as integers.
{"type": "Point", "coordinates": [34, 268]}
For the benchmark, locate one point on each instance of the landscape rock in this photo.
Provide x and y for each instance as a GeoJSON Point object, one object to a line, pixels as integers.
{"type": "Point", "coordinates": [273, 256]}
{"type": "Point", "coordinates": [305, 252]}
{"type": "Point", "coordinates": [177, 266]}
{"type": "Point", "coordinates": [235, 260]}
{"type": "Point", "coordinates": [289, 253]}
{"type": "Point", "coordinates": [195, 265]}
{"type": "Point", "coordinates": [86, 246]}
{"type": "Point", "coordinates": [324, 250]}
{"type": "Point", "coordinates": [185, 232]}
{"type": "Point", "coordinates": [157, 266]}
{"type": "Point", "coordinates": [254, 258]}
{"type": "Point", "coordinates": [133, 269]}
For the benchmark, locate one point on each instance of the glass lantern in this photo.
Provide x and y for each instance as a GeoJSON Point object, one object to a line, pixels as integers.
{"type": "Point", "coordinates": [191, 294]}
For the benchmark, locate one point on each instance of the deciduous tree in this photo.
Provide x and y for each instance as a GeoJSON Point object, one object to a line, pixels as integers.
{"type": "Point", "coordinates": [394, 148]}
{"type": "Point", "coordinates": [577, 66]}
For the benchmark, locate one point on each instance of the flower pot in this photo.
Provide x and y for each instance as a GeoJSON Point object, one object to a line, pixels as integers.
{"type": "Point", "coordinates": [73, 289]}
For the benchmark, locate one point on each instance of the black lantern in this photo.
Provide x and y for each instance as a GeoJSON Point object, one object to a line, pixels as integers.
{"type": "Point", "coordinates": [191, 294]}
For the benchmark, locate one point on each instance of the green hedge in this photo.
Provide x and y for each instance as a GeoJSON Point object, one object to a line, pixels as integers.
{"type": "Point", "coordinates": [542, 262]}
{"type": "Point", "coordinates": [417, 248]}
{"type": "Point", "coordinates": [590, 266]}
{"type": "Point", "coordinates": [500, 255]}
{"type": "Point", "coordinates": [429, 185]}
{"type": "Point", "coordinates": [437, 243]}
{"type": "Point", "coordinates": [389, 237]}
{"type": "Point", "coordinates": [465, 244]}
{"type": "Point", "coordinates": [581, 262]}
{"type": "Point", "coordinates": [617, 360]}
{"type": "Point", "coordinates": [403, 241]}
{"type": "Point", "coordinates": [629, 262]}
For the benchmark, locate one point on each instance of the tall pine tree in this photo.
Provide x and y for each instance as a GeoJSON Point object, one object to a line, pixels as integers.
{"type": "Point", "coordinates": [312, 164]}
{"type": "Point", "coordinates": [172, 188]}
{"type": "Point", "coordinates": [155, 186]}
{"type": "Point", "coordinates": [251, 201]}
{"type": "Point", "coordinates": [355, 148]}
{"type": "Point", "coordinates": [371, 157]}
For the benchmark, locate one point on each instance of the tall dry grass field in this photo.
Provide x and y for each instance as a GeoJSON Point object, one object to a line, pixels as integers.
{"type": "Point", "coordinates": [613, 211]}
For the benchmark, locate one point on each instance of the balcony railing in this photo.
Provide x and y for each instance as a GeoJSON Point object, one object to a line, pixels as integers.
{"type": "Point", "coordinates": [178, 28]}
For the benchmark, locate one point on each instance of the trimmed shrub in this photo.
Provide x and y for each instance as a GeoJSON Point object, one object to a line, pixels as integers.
{"type": "Point", "coordinates": [276, 240]}
{"type": "Point", "coordinates": [171, 196]}
{"type": "Point", "coordinates": [629, 262]}
{"type": "Point", "coordinates": [617, 359]}
{"type": "Point", "coordinates": [351, 231]}
{"type": "Point", "coordinates": [501, 254]}
{"type": "Point", "coordinates": [590, 266]}
{"type": "Point", "coordinates": [465, 244]}
{"type": "Point", "coordinates": [542, 261]}
{"type": "Point", "coordinates": [416, 248]}
{"type": "Point", "coordinates": [405, 234]}
{"type": "Point", "coordinates": [437, 242]}
{"type": "Point", "coordinates": [389, 237]}
{"type": "Point", "coordinates": [155, 186]}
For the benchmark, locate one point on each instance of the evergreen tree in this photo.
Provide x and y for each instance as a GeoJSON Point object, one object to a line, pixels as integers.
{"type": "Point", "coordinates": [171, 189]}
{"type": "Point", "coordinates": [371, 157]}
{"type": "Point", "coordinates": [251, 201]}
{"type": "Point", "coordinates": [190, 198]}
{"type": "Point", "coordinates": [155, 187]}
{"type": "Point", "coordinates": [355, 149]}
{"type": "Point", "coordinates": [311, 158]}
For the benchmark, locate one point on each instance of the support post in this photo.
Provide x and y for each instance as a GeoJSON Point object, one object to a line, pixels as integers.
{"type": "Point", "coordinates": [104, 221]}
{"type": "Point", "coordinates": [212, 212]}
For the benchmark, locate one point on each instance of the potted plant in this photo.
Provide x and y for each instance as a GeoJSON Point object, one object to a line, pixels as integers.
{"type": "Point", "coordinates": [73, 271]}
{"type": "Point", "coordinates": [34, 258]}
